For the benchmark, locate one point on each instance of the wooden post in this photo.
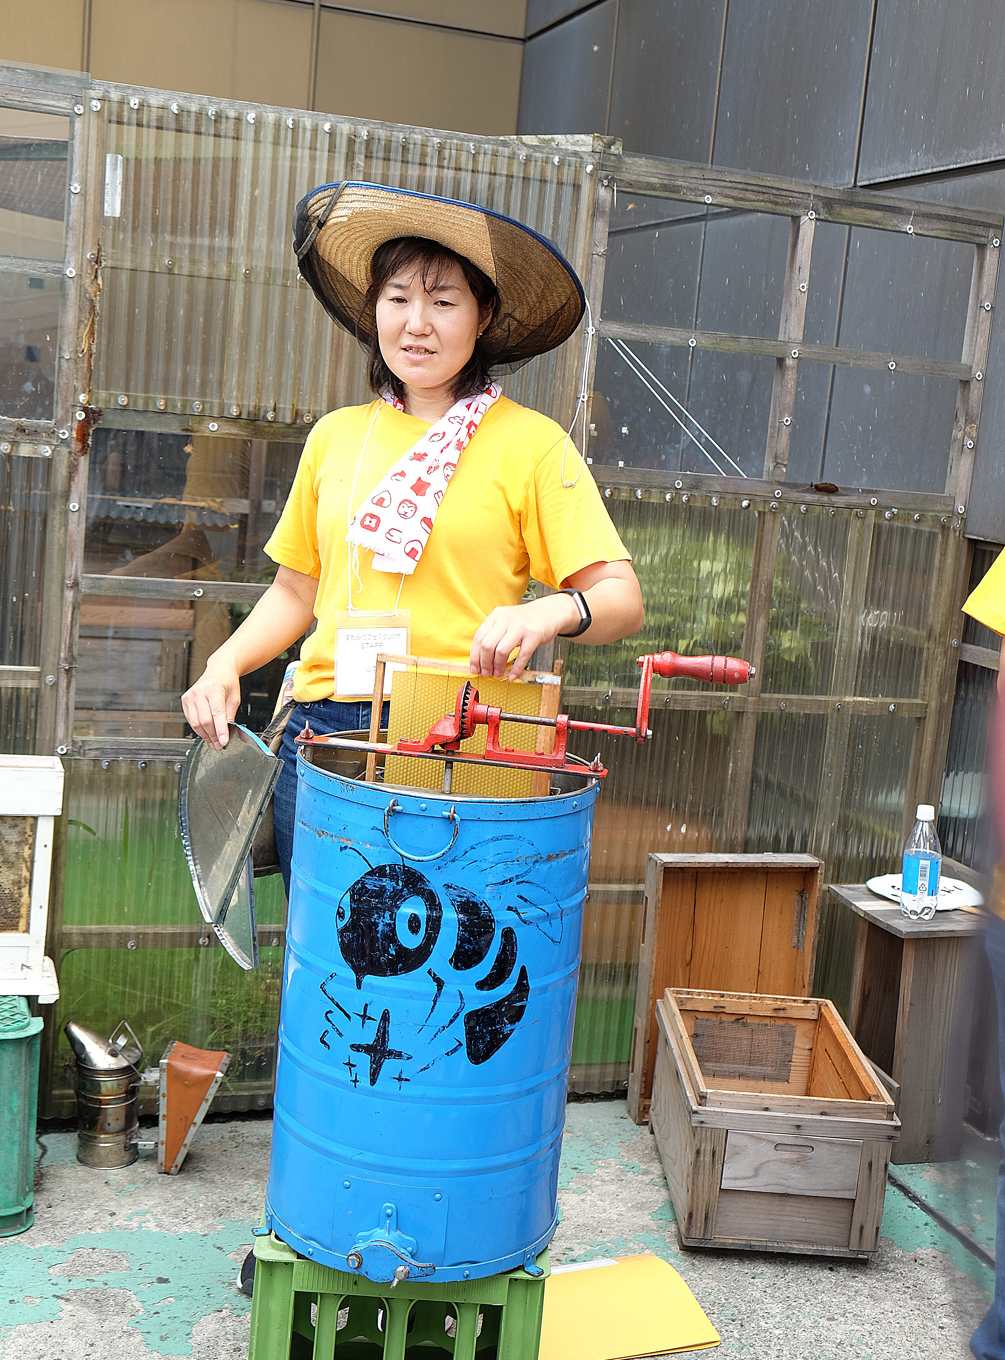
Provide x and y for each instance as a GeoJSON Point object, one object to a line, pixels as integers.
{"type": "Point", "coordinates": [795, 291]}
{"type": "Point", "coordinates": [976, 340]}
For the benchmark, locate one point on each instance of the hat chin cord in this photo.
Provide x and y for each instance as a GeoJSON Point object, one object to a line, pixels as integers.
{"type": "Point", "coordinates": [581, 399]}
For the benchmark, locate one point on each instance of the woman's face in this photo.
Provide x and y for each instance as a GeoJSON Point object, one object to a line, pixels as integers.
{"type": "Point", "coordinates": [427, 336]}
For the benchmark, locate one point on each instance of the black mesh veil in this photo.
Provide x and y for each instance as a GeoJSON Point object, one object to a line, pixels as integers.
{"type": "Point", "coordinates": [339, 226]}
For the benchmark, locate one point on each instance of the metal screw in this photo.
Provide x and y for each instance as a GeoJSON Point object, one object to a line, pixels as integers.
{"type": "Point", "coordinates": [289, 122]}
{"type": "Point", "coordinates": [50, 679]}
{"type": "Point", "coordinates": [73, 507]}
{"type": "Point", "coordinates": [326, 127]}
{"type": "Point", "coordinates": [607, 492]}
{"type": "Point", "coordinates": [211, 113]}
{"type": "Point", "coordinates": [638, 494]}
{"type": "Point", "coordinates": [122, 399]}
{"type": "Point", "coordinates": [235, 410]}
{"type": "Point", "coordinates": [81, 396]}
{"type": "Point", "coordinates": [71, 273]}
{"type": "Point", "coordinates": [74, 188]}
{"type": "Point", "coordinates": [270, 415]}
{"type": "Point", "coordinates": [79, 414]}
{"type": "Point", "coordinates": [917, 519]}
{"type": "Point", "coordinates": [778, 493]}
{"type": "Point", "coordinates": [106, 763]}
{"type": "Point", "coordinates": [837, 708]}
{"type": "Point", "coordinates": [78, 108]}
{"type": "Point", "coordinates": [987, 306]}
{"type": "Point", "coordinates": [198, 593]}
{"type": "Point", "coordinates": [308, 419]}
{"type": "Point", "coordinates": [62, 750]}
{"type": "Point", "coordinates": [169, 264]}
{"type": "Point", "coordinates": [401, 1273]}
{"type": "Point", "coordinates": [715, 499]}
{"type": "Point", "coordinates": [161, 404]}
{"type": "Point", "coordinates": [893, 708]}
{"type": "Point", "coordinates": [365, 134]}
{"type": "Point", "coordinates": [968, 443]}
{"type": "Point", "coordinates": [873, 500]}
{"type": "Point", "coordinates": [685, 498]}
{"type": "Point", "coordinates": [909, 229]}
{"type": "Point", "coordinates": [95, 105]}
{"type": "Point", "coordinates": [891, 365]}
{"type": "Point", "coordinates": [589, 169]}
{"type": "Point", "coordinates": [250, 117]}
{"type": "Point", "coordinates": [708, 198]}
{"type": "Point", "coordinates": [46, 451]}
{"type": "Point", "coordinates": [996, 241]}
{"type": "Point", "coordinates": [5, 447]}
{"type": "Point", "coordinates": [65, 434]}
{"type": "Point", "coordinates": [246, 272]}
{"type": "Point", "coordinates": [888, 514]}
{"type": "Point", "coordinates": [745, 505]}
{"type": "Point", "coordinates": [803, 287]}
{"type": "Point", "coordinates": [786, 420]}
{"type": "Point", "coordinates": [773, 505]}
{"type": "Point", "coordinates": [961, 509]}
{"type": "Point", "coordinates": [978, 376]}
{"type": "Point", "coordinates": [794, 353]}
{"type": "Point", "coordinates": [955, 642]}
{"type": "Point", "coordinates": [802, 509]}
{"type": "Point", "coordinates": [557, 160]}
{"type": "Point", "coordinates": [668, 496]}
{"type": "Point", "coordinates": [175, 108]}
{"type": "Point", "coordinates": [782, 705]}
{"type": "Point", "coordinates": [197, 407]}
{"type": "Point", "coordinates": [213, 425]}
{"type": "Point", "coordinates": [678, 483]}
{"type": "Point", "coordinates": [204, 940]}
{"type": "Point", "coordinates": [811, 216]}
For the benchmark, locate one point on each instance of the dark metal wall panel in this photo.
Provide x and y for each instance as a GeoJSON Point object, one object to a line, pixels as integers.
{"type": "Point", "coordinates": [665, 76]}
{"type": "Point", "coordinates": [986, 511]}
{"type": "Point", "coordinates": [566, 74]}
{"type": "Point", "coordinates": [792, 79]}
{"type": "Point", "coordinates": [903, 294]}
{"type": "Point", "coordinates": [544, 13]}
{"type": "Point", "coordinates": [935, 84]}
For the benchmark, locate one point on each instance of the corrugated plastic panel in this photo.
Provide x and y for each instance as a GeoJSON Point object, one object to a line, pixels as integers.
{"type": "Point", "coordinates": [23, 516]}
{"type": "Point", "coordinates": [974, 632]}
{"type": "Point", "coordinates": [788, 760]}
{"type": "Point", "coordinates": [666, 75]}
{"type": "Point", "coordinates": [792, 80]}
{"type": "Point", "coordinates": [199, 232]}
{"type": "Point", "coordinates": [805, 601]}
{"type": "Point", "coordinates": [961, 805]}
{"type": "Point", "coordinates": [125, 873]}
{"type": "Point", "coordinates": [932, 81]}
{"type": "Point", "coordinates": [896, 618]}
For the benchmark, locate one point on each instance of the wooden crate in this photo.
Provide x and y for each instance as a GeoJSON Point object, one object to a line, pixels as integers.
{"type": "Point", "coordinates": [742, 923]}
{"type": "Point", "coordinates": [773, 1130]}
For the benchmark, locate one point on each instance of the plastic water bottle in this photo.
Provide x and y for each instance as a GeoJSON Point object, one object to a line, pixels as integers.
{"type": "Point", "coordinates": [919, 893]}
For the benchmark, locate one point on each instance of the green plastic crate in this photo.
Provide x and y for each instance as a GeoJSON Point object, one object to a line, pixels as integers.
{"type": "Point", "coordinates": [304, 1311]}
{"type": "Point", "coordinates": [20, 1044]}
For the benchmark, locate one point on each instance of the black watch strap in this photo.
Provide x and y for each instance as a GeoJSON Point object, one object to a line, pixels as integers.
{"type": "Point", "coordinates": [585, 617]}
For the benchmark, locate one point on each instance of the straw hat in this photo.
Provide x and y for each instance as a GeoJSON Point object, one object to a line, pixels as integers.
{"type": "Point", "coordinates": [339, 226]}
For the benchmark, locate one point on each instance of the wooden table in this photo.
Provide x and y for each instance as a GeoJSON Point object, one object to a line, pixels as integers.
{"type": "Point", "coordinates": [908, 980]}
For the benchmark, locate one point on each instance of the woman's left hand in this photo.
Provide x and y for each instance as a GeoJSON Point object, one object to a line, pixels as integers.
{"type": "Point", "coordinates": [520, 628]}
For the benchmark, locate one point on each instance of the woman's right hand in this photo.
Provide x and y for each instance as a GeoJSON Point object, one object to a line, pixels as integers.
{"type": "Point", "coordinates": [211, 704]}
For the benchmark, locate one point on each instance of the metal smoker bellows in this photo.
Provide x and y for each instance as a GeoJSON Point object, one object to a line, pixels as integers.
{"type": "Point", "coordinates": [428, 1001]}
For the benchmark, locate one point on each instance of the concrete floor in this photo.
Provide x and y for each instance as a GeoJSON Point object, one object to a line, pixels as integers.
{"type": "Point", "coordinates": [135, 1265]}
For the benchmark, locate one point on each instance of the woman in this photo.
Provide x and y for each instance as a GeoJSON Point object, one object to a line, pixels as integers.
{"type": "Point", "coordinates": [370, 545]}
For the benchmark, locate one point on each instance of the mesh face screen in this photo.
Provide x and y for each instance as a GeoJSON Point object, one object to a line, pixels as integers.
{"type": "Point", "coordinates": [733, 1046]}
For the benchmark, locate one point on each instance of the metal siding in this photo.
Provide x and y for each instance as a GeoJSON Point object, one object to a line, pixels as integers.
{"type": "Point", "coordinates": [935, 82]}
{"type": "Point", "coordinates": [544, 13]}
{"type": "Point", "coordinates": [566, 74]}
{"type": "Point", "coordinates": [792, 79]}
{"type": "Point", "coordinates": [986, 510]}
{"type": "Point", "coordinates": [666, 76]}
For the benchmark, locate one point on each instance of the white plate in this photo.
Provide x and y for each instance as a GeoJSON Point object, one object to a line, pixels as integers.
{"type": "Point", "coordinates": [953, 892]}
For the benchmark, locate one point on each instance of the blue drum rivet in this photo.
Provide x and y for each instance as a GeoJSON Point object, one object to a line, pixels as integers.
{"type": "Point", "coordinates": [422, 807]}
{"type": "Point", "coordinates": [347, 1185]}
{"type": "Point", "coordinates": [437, 1197]}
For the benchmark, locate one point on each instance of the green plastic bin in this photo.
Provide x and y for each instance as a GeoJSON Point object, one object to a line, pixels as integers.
{"type": "Point", "coordinates": [20, 1047]}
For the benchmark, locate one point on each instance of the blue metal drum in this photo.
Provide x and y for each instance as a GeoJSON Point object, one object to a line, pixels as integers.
{"type": "Point", "coordinates": [428, 1002]}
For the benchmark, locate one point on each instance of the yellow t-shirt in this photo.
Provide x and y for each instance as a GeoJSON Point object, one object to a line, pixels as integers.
{"type": "Point", "coordinates": [986, 602]}
{"type": "Point", "coordinates": [506, 517]}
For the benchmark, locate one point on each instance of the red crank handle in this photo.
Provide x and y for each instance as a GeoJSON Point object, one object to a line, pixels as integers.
{"type": "Point", "coordinates": [716, 670]}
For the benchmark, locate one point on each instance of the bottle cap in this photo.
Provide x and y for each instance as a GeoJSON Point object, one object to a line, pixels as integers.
{"type": "Point", "coordinates": [926, 812]}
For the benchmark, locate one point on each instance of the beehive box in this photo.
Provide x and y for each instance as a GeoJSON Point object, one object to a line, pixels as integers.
{"type": "Point", "coordinates": [773, 1130]}
{"type": "Point", "coordinates": [738, 923]}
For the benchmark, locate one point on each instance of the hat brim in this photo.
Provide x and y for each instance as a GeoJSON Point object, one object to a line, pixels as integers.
{"type": "Point", "coordinates": [339, 226]}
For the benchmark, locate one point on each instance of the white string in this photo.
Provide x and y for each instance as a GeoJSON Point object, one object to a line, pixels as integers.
{"type": "Point", "coordinates": [626, 353]}
{"type": "Point", "coordinates": [681, 407]}
{"type": "Point", "coordinates": [628, 358]}
{"type": "Point", "coordinates": [581, 399]}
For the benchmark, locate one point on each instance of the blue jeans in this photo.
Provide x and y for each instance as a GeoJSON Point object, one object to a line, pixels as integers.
{"type": "Point", "coordinates": [324, 715]}
{"type": "Point", "coordinates": [988, 1342]}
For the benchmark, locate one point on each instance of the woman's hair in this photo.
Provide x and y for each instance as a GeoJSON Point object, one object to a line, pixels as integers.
{"type": "Point", "coordinates": [431, 260]}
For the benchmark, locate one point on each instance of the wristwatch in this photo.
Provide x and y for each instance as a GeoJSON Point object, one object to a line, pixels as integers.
{"type": "Point", "coordinates": [585, 617]}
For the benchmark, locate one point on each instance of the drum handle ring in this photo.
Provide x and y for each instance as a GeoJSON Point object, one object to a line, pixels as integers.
{"type": "Point", "coordinates": [395, 806]}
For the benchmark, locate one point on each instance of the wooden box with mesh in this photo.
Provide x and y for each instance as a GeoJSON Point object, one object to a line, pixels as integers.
{"type": "Point", "coordinates": [31, 795]}
{"type": "Point", "coordinates": [773, 1130]}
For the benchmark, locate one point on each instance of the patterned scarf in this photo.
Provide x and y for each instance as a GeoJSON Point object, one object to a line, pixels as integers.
{"type": "Point", "coordinates": [396, 519]}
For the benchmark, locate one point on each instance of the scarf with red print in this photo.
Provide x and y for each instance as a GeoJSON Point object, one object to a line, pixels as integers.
{"type": "Point", "coordinates": [396, 519]}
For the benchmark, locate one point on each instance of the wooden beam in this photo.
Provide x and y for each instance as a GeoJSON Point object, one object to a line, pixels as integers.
{"type": "Point", "coordinates": [795, 290]}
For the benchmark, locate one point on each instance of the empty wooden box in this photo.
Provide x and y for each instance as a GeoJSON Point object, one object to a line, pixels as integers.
{"type": "Point", "coordinates": [740, 923]}
{"type": "Point", "coordinates": [773, 1130]}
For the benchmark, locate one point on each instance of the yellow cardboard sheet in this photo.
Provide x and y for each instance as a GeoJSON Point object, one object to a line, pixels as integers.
{"type": "Point", "coordinates": [621, 1310]}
